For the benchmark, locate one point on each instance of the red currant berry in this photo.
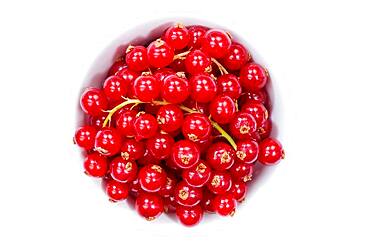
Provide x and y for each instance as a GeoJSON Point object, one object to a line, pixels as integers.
{"type": "Point", "coordinates": [265, 129]}
{"type": "Point", "coordinates": [271, 152]}
{"type": "Point", "coordinates": [207, 201]}
{"type": "Point", "coordinates": [136, 58]}
{"type": "Point", "coordinates": [170, 204]}
{"type": "Point", "coordinates": [219, 182]}
{"type": "Point", "coordinates": [117, 67]}
{"type": "Point", "coordinates": [196, 106]}
{"type": "Point", "coordinates": [168, 189]}
{"type": "Point", "coordinates": [247, 151]}
{"type": "Point", "coordinates": [160, 54]}
{"type": "Point", "coordinates": [222, 109]}
{"type": "Point", "coordinates": [196, 127]}
{"type": "Point", "coordinates": [189, 216]}
{"type": "Point", "coordinates": [170, 118]}
{"type": "Point", "coordinates": [239, 191]}
{"type": "Point", "coordinates": [254, 97]}
{"type": "Point", "coordinates": [116, 191]}
{"type": "Point", "coordinates": [122, 170]}
{"type": "Point", "coordinates": [203, 88]}
{"type": "Point", "coordinates": [97, 122]}
{"type": "Point", "coordinates": [145, 126]}
{"type": "Point", "coordinates": [147, 88]}
{"type": "Point", "coordinates": [185, 154]}
{"type": "Point", "coordinates": [236, 57]}
{"type": "Point", "coordinates": [253, 76]}
{"type": "Point", "coordinates": [197, 62]}
{"type": "Point", "coordinates": [241, 172]}
{"type": "Point", "coordinates": [129, 76]}
{"type": "Point", "coordinates": [175, 89]}
{"type": "Point", "coordinates": [95, 165]}
{"type": "Point", "coordinates": [225, 204]}
{"type": "Point", "coordinates": [229, 85]}
{"type": "Point", "coordinates": [198, 175]}
{"type": "Point", "coordinates": [187, 195]}
{"type": "Point", "coordinates": [115, 87]}
{"type": "Point", "coordinates": [258, 111]}
{"type": "Point", "coordinates": [135, 187]}
{"type": "Point", "coordinates": [242, 125]}
{"type": "Point", "coordinates": [85, 137]}
{"type": "Point", "coordinates": [177, 36]}
{"type": "Point", "coordinates": [220, 156]}
{"type": "Point", "coordinates": [93, 102]}
{"type": "Point", "coordinates": [178, 65]}
{"type": "Point", "coordinates": [149, 205]}
{"type": "Point", "coordinates": [160, 146]}
{"type": "Point", "coordinates": [147, 158]}
{"type": "Point", "coordinates": [216, 43]}
{"type": "Point", "coordinates": [162, 73]}
{"type": "Point", "coordinates": [152, 178]}
{"type": "Point", "coordinates": [108, 141]}
{"type": "Point", "coordinates": [196, 34]}
{"type": "Point", "coordinates": [132, 149]}
{"type": "Point", "coordinates": [125, 123]}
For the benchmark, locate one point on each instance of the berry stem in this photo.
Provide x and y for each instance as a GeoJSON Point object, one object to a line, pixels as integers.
{"type": "Point", "coordinates": [181, 55]}
{"type": "Point", "coordinates": [157, 102]}
{"type": "Point", "coordinates": [220, 67]}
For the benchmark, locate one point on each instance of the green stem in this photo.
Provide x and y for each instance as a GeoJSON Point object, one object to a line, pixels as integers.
{"type": "Point", "coordinates": [157, 102]}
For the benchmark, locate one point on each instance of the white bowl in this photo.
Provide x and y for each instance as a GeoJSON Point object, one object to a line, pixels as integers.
{"type": "Point", "coordinates": [141, 34]}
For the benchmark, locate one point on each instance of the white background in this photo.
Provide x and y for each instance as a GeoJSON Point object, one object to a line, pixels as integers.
{"type": "Point", "coordinates": [318, 53]}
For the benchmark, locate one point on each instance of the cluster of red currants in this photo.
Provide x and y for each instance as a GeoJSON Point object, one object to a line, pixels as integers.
{"type": "Point", "coordinates": [188, 120]}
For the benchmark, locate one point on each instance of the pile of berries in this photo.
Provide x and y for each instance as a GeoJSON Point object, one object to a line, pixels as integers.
{"type": "Point", "coordinates": [179, 125]}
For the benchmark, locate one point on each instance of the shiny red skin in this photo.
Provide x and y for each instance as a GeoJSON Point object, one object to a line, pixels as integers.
{"type": "Point", "coordinates": [258, 111]}
{"type": "Point", "coordinates": [247, 151]}
{"type": "Point", "coordinates": [242, 172]}
{"type": "Point", "coordinates": [116, 191]}
{"type": "Point", "coordinates": [197, 62]}
{"type": "Point", "coordinates": [253, 77]}
{"type": "Point", "coordinates": [196, 106]}
{"type": "Point", "coordinates": [271, 152]}
{"type": "Point", "coordinates": [97, 122]}
{"type": "Point", "coordinates": [149, 205]}
{"type": "Point", "coordinates": [222, 109]}
{"type": "Point", "coordinates": [187, 195]}
{"type": "Point", "coordinates": [203, 88]}
{"type": "Point", "coordinates": [216, 43]}
{"type": "Point", "coordinates": [170, 118]}
{"type": "Point", "coordinates": [242, 125]}
{"type": "Point", "coordinates": [220, 182]}
{"type": "Point", "coordinates": [265, 129]}
{"type": "Point", "coordinates": [137, 60]}
{"type": "Point", "coordinates": [189, 216]}
{"type": "Point", "coordinates": [175, 89]}
{"type": "Point", "coordinates": [207, 201]}
{"type": "Point", "coordinates": [85, 137]}
{"type": "Point", "coordinates": [170, 204]}
{"type": "Point", "coordinates": [95, 165]}
{"type": "Point", "coordinates": [178, 65]}
{"type": "Point", "coordinates": [177, 37]}
{"type": "Point", "coordinates": [123, 170]}
{"type": "Point", "coordinates": [162, 73]}
{"type": "Point", "coordinates": [129, 76]}
{"type": "Point", "coordinates": [229, 85]}
{"type": "Point", "coordinates": [236, 57]}
{"type": "Point", "coordinates": [146, 88]}
{"type": "Point", "coordinates": [152, 178]}
{"type": "Point", "coordinates": [185, 154]}
{"type": "Point", "coordinates": [115, 87]}
{"type": "Point", "coordinates": [225, 204]}
{"type": "Point", "coordinates": [125, 123]}
{"type": "Point", "coordinates": [108, 141]}
{"type": "Point", "coordinates": [135, 187]}
{"type": "Point", "coordinates": [168, 189]}
{"type": "Point", "coordinates": [198, 175]}
{"type": "Point", "coordinates": [253, 97]}
{"type": "Point", "coordinates": [145, 126]}
{"type": "Point", "coordinates": [196, 127]}
{"type": "Point", "coordinates": [117, 67]}
{"type": "Point", "coordinates": [196, 34]}
{"type": "Point", "coordinates": [239, 191]}
{"type": "Point", "coordinates": [220, 156]}
{"type": "Point", "coordinates": [160, 146]}
{"type": "Point", "coordinates": [160, 54]}
{"type": "Point", "coordinates": [93, 102]}
{"type": "Point", "coordinates": [147, 158]}
{"type": "Point", "coordinates": [132, 149]}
